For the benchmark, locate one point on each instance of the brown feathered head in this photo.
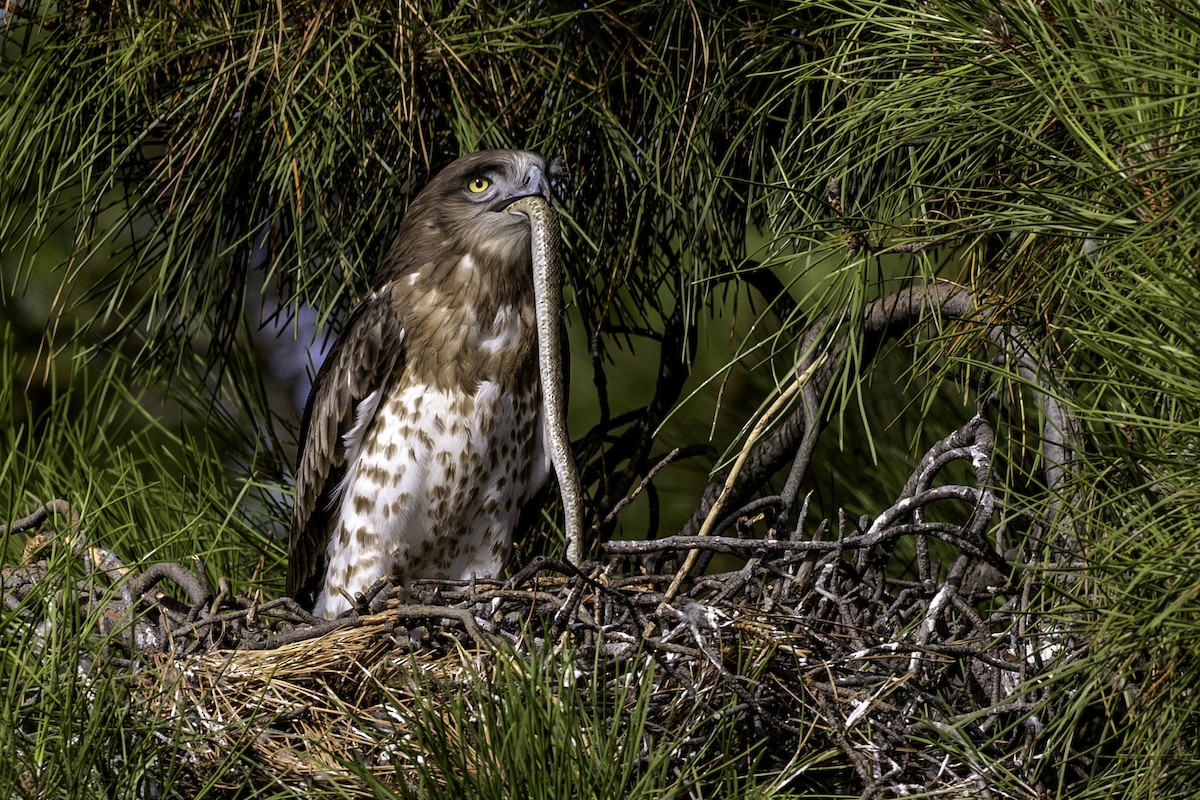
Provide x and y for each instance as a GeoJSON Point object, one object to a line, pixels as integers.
{"type": "Point", "coordinates": [462, 209]}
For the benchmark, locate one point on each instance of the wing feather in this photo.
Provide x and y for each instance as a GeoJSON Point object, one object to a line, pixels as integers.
{"type": "Point", "coordinates": [341, 406]}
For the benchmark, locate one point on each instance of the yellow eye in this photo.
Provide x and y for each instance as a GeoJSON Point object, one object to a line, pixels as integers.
{"type": "Point", "coordinates": [477, 185]}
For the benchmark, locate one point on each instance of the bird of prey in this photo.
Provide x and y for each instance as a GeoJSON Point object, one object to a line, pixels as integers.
{"type": "Point", "coordinates": [424, 433]}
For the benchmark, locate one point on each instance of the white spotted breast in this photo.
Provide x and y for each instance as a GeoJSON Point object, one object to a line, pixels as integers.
{"type": "Point", "coordinates": [435, 488]}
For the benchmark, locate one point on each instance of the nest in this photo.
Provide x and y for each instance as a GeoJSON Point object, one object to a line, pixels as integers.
{"type": "Point", "coordinates": [810, 643]}
{"type": "Point", "coordinates": [902, 646]}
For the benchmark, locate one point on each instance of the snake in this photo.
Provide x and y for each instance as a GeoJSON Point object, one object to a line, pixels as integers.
{"type": "Point", "coordinates": [545, 245]}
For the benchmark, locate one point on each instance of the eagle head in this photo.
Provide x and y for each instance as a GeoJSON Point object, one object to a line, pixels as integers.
{"type": "Point", "coordinates": [466, 203]}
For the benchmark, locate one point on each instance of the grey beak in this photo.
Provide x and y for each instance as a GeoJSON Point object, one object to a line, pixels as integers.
{"type": "Point", "coordinates": [536, 182]}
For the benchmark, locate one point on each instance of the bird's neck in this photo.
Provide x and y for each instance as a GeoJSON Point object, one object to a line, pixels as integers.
{"type": "Point", "coordinates": [469, 323]}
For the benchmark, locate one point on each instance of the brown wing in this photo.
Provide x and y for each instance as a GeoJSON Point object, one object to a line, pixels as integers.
{"type": "Point", "coordinates": [364, 360]}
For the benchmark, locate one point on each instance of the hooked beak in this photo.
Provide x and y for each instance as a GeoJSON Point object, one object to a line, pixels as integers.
{"type": "Point", "coordinates": [535, 183]}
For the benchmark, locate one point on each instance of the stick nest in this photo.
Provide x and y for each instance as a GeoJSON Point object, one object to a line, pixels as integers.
{"type": "Point", "coordinates": [810, 642]}
{"type": "Point", "coordinates": [903, 647]}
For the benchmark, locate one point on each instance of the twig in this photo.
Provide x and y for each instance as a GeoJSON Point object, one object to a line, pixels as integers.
{"type": "Point", "coordinates": [460, 615]}
{"type": "Point", "coordinates": [760, 426]}
{"type": "Point", "coordinates": [196, 591]}
{"type": "Point", "coordinates": [60, 507]}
